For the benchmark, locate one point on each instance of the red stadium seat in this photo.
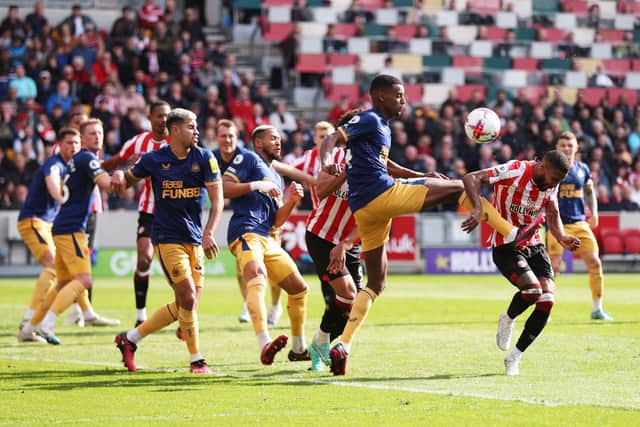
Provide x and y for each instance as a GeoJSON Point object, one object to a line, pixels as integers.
{"type": "Point", "coordinates": [551, 35]}
{"type": "Point", "coordinates": [471, 65]}
{"type": "Point", "coordinates": [485, 7]}
{"type": "Point", "coordinates": [631, 238]}
{"type": "Point", "coordinates": [613, 95]}
{"type": "Point", "coordinates": [267, 3]}
{"type": "Point", "coordinates": [612, 242]}
{"type": "Point", "coordinates": [527, 64]}
{"type": "Point", "coordinates": [337, 91]}
{"type": "Point", "coordinates": [463, 93]}
{"type": "Point", "coordinates": [311, 63]}
{"type": "Point", "coordinates": [611, 35]}
{"type": "Point", "coordinates": [277, 31]}
{"type": "Point", "coordinates": [593, 95]}
{"type": "Point", "coordinates": [578, 7]}
{"type": "Point", "coordinates": [371, 5]}
{"type": "Point", "coordinates": [405, 32]}
{"type": "Point", "coordinates": [616, 67]}
{"type": "Point", "coordinates": [413, 93]}
{"type": "Point", "coordinates": [344, 29]}
{"type": "Point", "coordinates": [635, 64]}
{"type": "Point", "coordinates": [534, 93]}
{"type": "Point", "coordinates": [496, 34]}
{"type": "Point", "coordinates": [341, 59]}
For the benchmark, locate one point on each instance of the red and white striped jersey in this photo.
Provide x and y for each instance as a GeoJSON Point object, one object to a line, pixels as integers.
{"type": "Point", "coordinates": [517, 197]}
{"type": "Point", "coordinates": [140, 144]}
{"type": "Point", "coordinates": [309, 163]}
{"type": "Point", "coordinates": [332, 219]}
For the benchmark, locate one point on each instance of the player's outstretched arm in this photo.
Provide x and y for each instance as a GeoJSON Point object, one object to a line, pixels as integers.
{"type": "Point", "coordinates": [592, 203]}
{"type": "Point", "coordinates": [327, 184]}
{"type": "Point", "coordinates": [295, 193]}
{"type": "Point", "coordinates": [209, 245]}
{"type": "Point", "coordinates": [54, 188]}
{"type": "Point", "coordinates": [326, 148]}
{"type": "Point", "coordinates": [556, 229]}
{"type": "Point", "coordinates": [233, 188]}
{"type": "Point", "coordinates": [293, 173]}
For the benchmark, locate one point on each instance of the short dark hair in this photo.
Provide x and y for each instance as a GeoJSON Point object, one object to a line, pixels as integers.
{"type": "Point", "coordinates": [67, 131]}
{"type": "Point", "coordinates": [156, 104]}
{"type": "Point", "coordinates": [383, 81]}
{"type": "Point", "coordinates": [557, 160]}
{"type": "Point", "coordinates": [257, 132]}
{"type": "Point", "coordinates": [179, 116]}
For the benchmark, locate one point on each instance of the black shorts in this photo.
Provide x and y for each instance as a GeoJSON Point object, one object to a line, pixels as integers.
{"type": "Point", "coordinates": [319, 250]}
{"type": "Point", "coordinates": [514, 262]}
{"type": "Point", "coordinates": [145, 221]}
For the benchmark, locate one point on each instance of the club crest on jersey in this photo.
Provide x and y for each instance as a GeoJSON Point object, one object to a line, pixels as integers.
{"type": "Point", "coordinates": [238, 159]}
{"type": "Point", "coordinates": [166, 166]}
{"type": "Point", "coordinates": [94, 164]}
{"type": "Point", "coordinates": [195, 167]}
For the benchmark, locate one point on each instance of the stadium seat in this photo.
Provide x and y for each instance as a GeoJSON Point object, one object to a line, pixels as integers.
{"type": "Point", "coordinates": [612, 243]}
{"type": "Point", "coordinates": [506, 20]}
{"type": "Point", "coordinates": [406, 32]}
{"type": "Point", "coordinates": [247, 4]}
{"type": "Point", "coordinates": [497, 63]}
{"type": "Point", "coordinates": [371, 5]}
{"type": "Point", "coordinates": [436, 61]}
{"type": "Point", "coordinates": [327, 15]}
{"type": "Point", "coordinates": [468, 63]}
{"type": "Point", "coordinates": [387, 16]}
{"type": "Point", "coordinates": [601, 51]}
{"type": "Point", "coordinates": [446, 18]}
{"type": "Point", "coordinates": [578, 7]}
{"type": "Point", "coordinates": [337, 91]}
{"type": "Point", "coordinates": [526, 34]}
{"type": "Point", "coordinates": [612, 36]}
{"type": "Point", "coordinates": [276, 32]}
{"type": "Point", "coordinates": [631, 239]}
{"type": "Point", "coordinates": [453, 76]}
{"type": "Point", "coordinates": [312, 29]}
{"type": "Point", "coordinates": [522, 8]}
{"type": "Point", "coordinates": [624, 22]}
{"type": "Point", "coordinates": [463, 34]}
{"type": "Point", "coordinates": [529, 64]}
{"type": "Point", "coordinates": [372, 62]}
{"type": "Point", "coordinates": [341, 59]}
{"type": "Point", "coordinates": [541, 50]}
{"type": "Point", "coordinates": [569, 94]}
{"type": "Point", "coordinates": [481, 49]}
{"type": "Point", "coordinates": [485, 7]}
{"type": "Point", "coordinates": [496, 34]}
{"type": "Point", "coordinates": [413, 93]}
{"type": "Point", "coordinates": [435, 94]}
{"type": "Point", "coordinates": [607, 9]}
{"type": "Point", "coordinates": [403, 3]}
{"type": "Point", "coordinates": [587, 65]}
{"type": "Point", "coordinates": [593, 95]}
{"type": "Point", "coordinates": [279, 13]}
{"type": "Point", "coordinates": [546, 6]}
{"type": "Point", "coordinates": [407, 63]}
{"type": "Point", "coordinates": [343, 75]}
{"type": "Point", "coordinates": [420, 46]}
{"type": "Point", "coordinates": [566, 21]}
{"type": "Point", "coordinates": [311, 63]}
{"type": "Point", "coordinates": [533, 93]}
{"type": "Point", "coordinates": [577, 79]}
{"type": "Point", "coordinates": [583, 37]}
{"type": "Point", "coordinates": [431, 6]}
{"type": "Point", "coordinates": [270, 3]}
{"type": "Point", "coordinates": [614, 93]}
{"type": "Point", "coordinates": [358, 45]}
{"type": "Point", "coordinates": [551, 35]}
{"type": "Point", "coordinates": [514, 78]}
{"type": "Point", "coordinates": [463, 93]}
{"type": "Point", "coordinates": [555, 64]}
{"type": "Point", "coordinates": [616, 67]}
{"type": "Point", "coordinates": [344, 29]}
{"type": "Point", "coordinates": [375, 30]}
{"type": "Point", "coordinates": [311, 44]}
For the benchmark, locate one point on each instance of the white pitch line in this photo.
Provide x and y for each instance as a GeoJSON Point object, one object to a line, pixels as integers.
{"type": "Point", "coordinates": [331, 382]}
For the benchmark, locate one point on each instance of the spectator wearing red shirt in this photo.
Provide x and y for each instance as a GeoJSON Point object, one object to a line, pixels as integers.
{"type": "Point", "coordinates": [104, 69]}
{"type": "Point", "coordinates": [149, 14]}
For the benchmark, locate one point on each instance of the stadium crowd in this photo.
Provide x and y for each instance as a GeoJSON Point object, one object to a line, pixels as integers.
{"type": "Point", "coordinates": [49, 70]}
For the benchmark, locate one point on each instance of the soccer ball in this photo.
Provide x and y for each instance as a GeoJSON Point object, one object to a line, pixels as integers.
{"type": "Point", "coordinates": [482, 125]}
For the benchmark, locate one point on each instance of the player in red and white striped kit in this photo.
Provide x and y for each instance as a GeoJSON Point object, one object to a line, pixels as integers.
{"type": "Point", "coordinates": [522, 189]}
{"type": "Point", "coordinates": [142, 143]}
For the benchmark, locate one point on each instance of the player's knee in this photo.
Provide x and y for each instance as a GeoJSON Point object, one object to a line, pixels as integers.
{"type": "Point", "coordinates": [531, 293]}
{"type": "Point", "coordinates": [144, 263]}
{"type": "Point", "coordinates": [545, 302]}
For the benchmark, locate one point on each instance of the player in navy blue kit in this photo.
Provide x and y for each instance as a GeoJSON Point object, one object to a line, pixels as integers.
{"type": "Point", "coordinates": [375, 197]}
{"type": "Point", "coordinates": [575, 190]}
{"type": "Point", "coordinates": [179, 172]}
{"type": "Point", "coordinates": [256, 190]}
{"type": "Point", "coordinates": [72, 261]}
{"type": "Point", "coordinates": [36, 218]}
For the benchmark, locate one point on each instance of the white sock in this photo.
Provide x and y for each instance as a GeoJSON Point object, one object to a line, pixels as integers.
{"type": "Point", "coordinates": [195, 357]}
{"type": "Point", "coordinates": [511, 236]}
{"type": "Point", "coordinates": [134, 335]}
{"type": "Point", "coordinates": [28, 314]}
{"type": "Point", "coordinates": [515, 353]}
{"type": "Point", "coordinates": [48, 322]}
{"type": "Point", "coordinates": [276, 307]}
{"type": "Point", "coordinates": [597, 304]}
{"type": "Point", "coordinates": [263, 339]}
{"type": "Point", "coordinates": [142, 314]}
{"type": "Point", "coordinates": [89, 313]}
{"type": "Point", "coordinates": [244, 308]}
{"type": "Point", "coordinates": [75, 307]}
{"type": "Point", "coordinates": [28, 328]}
{"type": "Point", "coordinates": [298, 345]}
{"type": "Point", "coordinates": [322, 337]}
{"type": "Point", "coordinates": [347, 347]}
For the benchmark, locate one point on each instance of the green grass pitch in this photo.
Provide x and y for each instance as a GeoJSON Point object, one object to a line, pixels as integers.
{"type": "Point", "coordinates": [425, 356]}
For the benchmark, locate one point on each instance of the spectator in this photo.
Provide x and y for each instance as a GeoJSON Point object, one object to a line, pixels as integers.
{"type": "Point", "coordinates": [124, 26]}
{"type": "Point", "coordinates": [36, 22]}
{"type": "Point", "coordinates": [60, 97]}
{"type": "Point", "coordinates": [357, 10]}
{"type": "Point", "coordinates": [130, 98]}
{"type": "Point", "coordinates": [104, 69]}
{"type": "Point", "coordinates": [600, 78]}
{"type": "Point", "coordinates": [191, 25]}
{"type": "Point", "coordinates": [282, 119]}
{"type": "Point", "coordinates": [13, 24]}
{"type": "Point", "coordinates": [412, 160]}
{"type": "Point", "coordinates": [77, 21]}
{"type": "Point", "coordinates": [24, 85]}
{"type": "Point", "coordinates": [300, 12]}
{"type": "Point", "coordinates": [149, 14]}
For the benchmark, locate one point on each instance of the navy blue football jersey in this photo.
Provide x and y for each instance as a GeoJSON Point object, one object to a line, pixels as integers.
{"type": "Point", "coordinates": [571, 193]}
{"type": "Point", "coordinates": [39, 203]}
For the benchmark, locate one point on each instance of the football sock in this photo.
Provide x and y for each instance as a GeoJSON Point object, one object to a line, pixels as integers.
{"type": "Point", "coordinates": [45, 281]}
{"type": "Point", "coordinates": [89, 313]}
{"type": "Point", "coordinates": [141, 314]}
{"type": "Point", "coordinates": [596, 304]}
{"type": "Point", "coordinates": [362, 305]}
{"type": "Point", "coordinates": [532, 328]}
{"type": "Point", "coordinates": [195, 357]}
{"type": "Point", "coordinates": [134, 335]}
{"type": "Point", "coordinates": [596, 283]}
{"type": "Point", "coordinates": [321, 337]}
{"type": "Point", "coordinates": [263, 339]}
{"type": "Point", "coordinates": [515, 353]}
{"type": "Point", "coordinates": [491, 216]}
{"type": "Point", "coordinates": [48, 322]}
{"type": "Point", "coordinates": [44, 306]}
{"type": "Point", "coordinates": [28, 314]}
{"type": "Point", "coordinates": [141, 286]}
{"type": "Point", "coordinates": [297, 309]}
{"type": "Point", "coordinates": [71, 291]}
{"type": "Point", "coordinates": [255, 303]}
{"type": "Point", "coordinates": [188, 320]}
{"type": "Point", "coordinates": [298, 345]}
{"type": "Point", "coordinates": [163, 317]}
{"type": "Point", "coordinates": [83, 300]}
{"type": "Point", "coordinates": [518, 306]}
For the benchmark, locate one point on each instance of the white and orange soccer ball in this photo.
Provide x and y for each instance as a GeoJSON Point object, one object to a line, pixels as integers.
{"type": "Point", "coordinates": [482, 125]}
